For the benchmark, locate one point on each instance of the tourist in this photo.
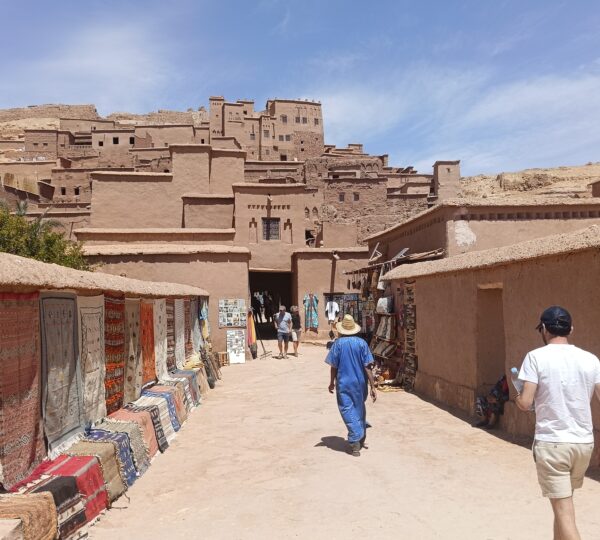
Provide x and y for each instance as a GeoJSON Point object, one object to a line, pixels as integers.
{"type": "Point", "coordinates": [283, 325]}
{"type": "Point", "coordinates": [268, 306]}
{"type": "Point", "coordinates": [351, 361]}
{"type": "Point", "coordinates": [561, 379]}
{"type": "Point", "coordinates": [490, 407]}
{"type": "Point", "coordinates": [296, 328]}
{"type": "Point", "coordinates": [256, 308]}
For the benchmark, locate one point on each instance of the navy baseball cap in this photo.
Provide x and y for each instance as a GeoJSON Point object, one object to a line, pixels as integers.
{"type": "Point", "coordinates": [556, 320]}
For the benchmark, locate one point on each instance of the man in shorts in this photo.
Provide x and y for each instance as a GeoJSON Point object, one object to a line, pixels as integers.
{"type": "Point", "coordinates": [561, 379]}
{"type": "Point", "coordinates": [283, 324]}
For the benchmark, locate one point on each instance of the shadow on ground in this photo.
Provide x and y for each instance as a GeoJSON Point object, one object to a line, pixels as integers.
{"type": "Point", "coordinates": [333, 442]}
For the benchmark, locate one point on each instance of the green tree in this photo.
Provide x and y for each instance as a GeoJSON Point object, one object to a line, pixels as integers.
{"type": "Point", "coordinates": [38, 239]}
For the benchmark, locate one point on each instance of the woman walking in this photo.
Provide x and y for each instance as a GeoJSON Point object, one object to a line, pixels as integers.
{"type": "Point", "coordinates": [296, 328]}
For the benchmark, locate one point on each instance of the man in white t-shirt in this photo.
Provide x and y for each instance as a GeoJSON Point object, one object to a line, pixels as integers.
{"type": "Point", "coordinates": [561, 379]}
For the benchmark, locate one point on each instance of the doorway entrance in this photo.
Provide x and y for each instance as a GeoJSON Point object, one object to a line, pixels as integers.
{"type": "Point", "coordinates": [491, 357]}
{"type": "Point", "coordinates": [279, 287]}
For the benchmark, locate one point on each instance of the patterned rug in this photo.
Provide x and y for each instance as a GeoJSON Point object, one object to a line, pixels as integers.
{"type": "Point", "coordinates": [171, 360]}
{"type": "Point", "coordinates": [177, 391]}
{"type": "Point", "coordinates": [148, 342]}
{"type": "Point", "coordinates": [196, 334]}
{"type": "Point", "coordinates": [62, 402]}
{"type": "Point", "coordinates": [181, 335]}
{"type": "Point", "coordinates": [114, 382]}
{"type": "Point", "coordinates": [160, 338]}
{"type": "Point", "coordinates": [91, 352]}
{"type": "Point", "coordinates": [194, 388]}
{"type": "Point", "coordinates": [133, 366]}
{"type": "Point", "coordinates": [164, 414]}
{"type": "Point", "coordinates": [167, 393]}
{"type": "Point", "coordinates": [140, 453]}
{"type": "Point", "coordinates": [21, 435]}
{"type": "Point", "coordinates": [36, 511]}
{"type": "Point", "coordinates": [123, 446]}
{"type": "Point", "coordinates": [107, 454]}
{"type": "Point", "coordinates": [184, 384]}
{"type": "Point", "coordinates": [143, 420]}
{"type": "Point", "coordinates": [157, 425]}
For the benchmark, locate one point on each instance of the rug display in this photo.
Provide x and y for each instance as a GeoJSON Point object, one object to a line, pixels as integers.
{"type": "Point", "coordinates": [168, 394]}
{"type": "Point", "coordinates": [70, 504]}
{"type": "Point", "coordinates": [171, 363]}
{"type": "Point", "coordinates": [107, 455]}
{"type": "Point", "coordinates": [193, 386]}
{"type": "Point", "coordinates": [36, 511]}
{"type": "Point", "coordinates": [164, 414]}
{"type": "Point", "coordinates": [160, 338]}
{"type": "Point", "coordinates": [147, 339]}
{"type": "Point", "coordinates": [181, 335]}
{"type": "Point", "coordinates": [177, 392]}
{"type": "Point", "coordinates": [155, 417]}
{"type": "Point", "coordinates": [91, 353]}
{"type": "Point", "coordinates": [21, 435]}
{"type": "Point", "coordinates": [143, 420]}
{"type": "Point", "coordinates": [133, 360]}
{"type": "Point", "coordinates": [114, 326]}
{"type": "Point", "coordinates": [139, 451]}
{"type": "Point", "coordinates": [196, 334]}
{"type": "Point", "coordinates": [123, 446]}
{"type": "Point", "coordinates": [62, 401]}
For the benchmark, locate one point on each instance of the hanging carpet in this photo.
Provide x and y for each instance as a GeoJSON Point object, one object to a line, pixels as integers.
{"type": "Point", "coordinates": [114, 382]}
{"type": "Point", "coordinates": [181, 335]}
{"type": "Point", "coordinates": [133, 347]}
{"type": "Point", "coordinates": [147, 339]}
{"type": "Point", "coordinates": [160, 338]}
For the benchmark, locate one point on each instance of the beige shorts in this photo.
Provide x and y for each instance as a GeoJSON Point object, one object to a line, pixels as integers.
{"type": "Point", "coordinates": [561, 467]}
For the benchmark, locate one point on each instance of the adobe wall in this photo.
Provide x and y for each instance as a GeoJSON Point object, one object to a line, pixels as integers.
{"type": "Point", "coordinates": [156, 236]}
{"type": "Point", "coordinates": [317, 272]}
{"type": "Point", "coordinates": [448, 321]}
{"type": "Point", "coordinates": [226, 169]}
{"type": "Point", "coordinates": [85, 124]}
{"type": "Point", "coordinates": [208, 211]}
{"type": "Point", "coordinates": [25, 174]}
{"type": "Point", "coordinates": [191, 168]}
{"type": "Point", "coordinates": [339, 234]}
{"type": "Point", "coordinates": [162, 136]}
{"type": "Point", "coordinates": [9, 144]}
{"type": "Point", "coordinates": [49, 111]}
{"type": "Point", "coordinates": [222, 275]}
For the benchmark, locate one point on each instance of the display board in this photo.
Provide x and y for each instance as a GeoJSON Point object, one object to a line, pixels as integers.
{"type": "Point", "coordinates": [232, 313]}
{"type": "Point", "coordinates": [236, 346]}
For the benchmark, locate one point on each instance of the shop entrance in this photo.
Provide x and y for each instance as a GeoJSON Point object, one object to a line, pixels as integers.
{"type": "Point", "coordinates": [279, 287]}
{"type": "Point", "coordinates": [491, 361]}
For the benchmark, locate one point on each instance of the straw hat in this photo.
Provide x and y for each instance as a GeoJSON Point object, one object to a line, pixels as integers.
{"type": "Point", "coordinates": [347, 326]}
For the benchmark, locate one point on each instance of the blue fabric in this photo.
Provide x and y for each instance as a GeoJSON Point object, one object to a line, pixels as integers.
{"type": "Point", "coordinates": [311, 310]}
{"type": "Point", "coordinates": [124, 450]}
{"type": "Point", "coordinates": [350, 355]}
{"type": "Point", "coordinates": [170, 405]}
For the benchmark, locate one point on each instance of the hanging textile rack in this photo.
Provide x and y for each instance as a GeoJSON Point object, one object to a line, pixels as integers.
{"type": "Point", "coordinates": [426, 256]}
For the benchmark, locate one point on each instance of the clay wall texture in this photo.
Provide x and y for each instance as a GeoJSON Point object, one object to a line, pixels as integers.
{"type": "Point", "coordinates": [49, 111]}
{"type": "Point", "coordinates": [162, 136]}
{"type": "Point", "coordinates": [203, 212]}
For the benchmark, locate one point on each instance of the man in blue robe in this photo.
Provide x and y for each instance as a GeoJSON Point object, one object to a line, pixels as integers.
{"type": "Point", "coordinates": [351, 361]}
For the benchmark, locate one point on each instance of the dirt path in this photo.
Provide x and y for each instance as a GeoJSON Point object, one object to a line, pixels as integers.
{"type": "Point", "coordinates": [264, 457]}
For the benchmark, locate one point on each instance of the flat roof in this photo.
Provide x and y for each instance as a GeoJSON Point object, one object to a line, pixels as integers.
{"type": "Point", "coordinates": [208, 196]}
{"type": "Point", "coordinates": [108, 250]}
{"type": "Point", "coordinates": [326, 250]}
{"type": "Point", "coordinates": [268, 186]}
{"type": "Point", "coordinates": [491, 203]}
{"type": "Point", "coordinates": [19, 272]}
{"type": "Point", "coordinates": [131, 176]}
{"type": "Point", "coordinates": [190, 231]}
{"type": "Point", "coordinates": [558, 244]}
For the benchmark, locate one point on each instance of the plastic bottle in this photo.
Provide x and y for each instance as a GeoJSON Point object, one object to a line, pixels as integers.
{"type": "Point", "coordinates": [514, 377]}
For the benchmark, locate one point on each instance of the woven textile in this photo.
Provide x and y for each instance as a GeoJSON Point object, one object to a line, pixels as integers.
{"type": "Point", "coordinates": [21, 436]}
{"type": "Point", "coordinates": [62, 402]}
{"type": "Point", "coordinates": [192, 377]}
{"type": "Point", "coordinates": [139, 451]}
{"type": "Point", "coordinates": [177, 391]}
{"type": "Point", "coordinates": [36, 511]}
{"type": "Point", "coordinates": [167, 393]}
{"type": "Point", "coordinates": [70, 504]}
{"type": "Point", "coordinates": [164, 414]}
{"type": "Point", "coordinates": [88, 476]}
{"type": "Point", "coordinates": [143, 420]}
{"type": "Point", "coordinates": [180, 332]}
{"type": "Point", "coordinates": [114, 332]}
{"type": "Point", "coordinates": [160, 338]}
{"type": "Point", "coordinates": [121, 441]}
{"type": "Point", "coordinates": [184, 383]}
{"type": "Point", "coordinates": [108, 456]}
{"type": "Point", "coordinates": [171, 361]}
{"type": "Point", "coordinates": [157, 425]}
{"type": "Point", "coordinates": [196, 334]}
{"type": "Point", "coordinates": [147, 337]}
{"type": "Point", "coordinates": [202, 380]}
{"type": "Point", "coordinates": [91, 352]}
{"type": "Point", "coordinates": [133, 360]}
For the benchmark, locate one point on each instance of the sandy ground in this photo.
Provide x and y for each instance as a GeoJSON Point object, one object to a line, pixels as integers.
{"type": "Point", "coordinates": [264, 457]}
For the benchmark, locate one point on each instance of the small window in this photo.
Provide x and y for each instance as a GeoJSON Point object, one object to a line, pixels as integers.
{"type": "Point", "coordinates": [448, 169]}
{"type": "Point", "coordinates": [166, 170]}
{"type": "Point", "coordinates": [266, 133]}
{"type": "Point", "coordinates": [316, 121]}
{"type": "Point", "coordinates": [35, 144]}
{"type": "Point", "coordinates": [307, 213]}
{"type": "Point", "coordinates": [166, 144]}
{"type": "Point", "coordinates": [304, 120]}
{"type": "Point", "coordinates": [288, 137]}
{"type": "Point", "coordinates": [63, 190]}
{"type": "Point", "coordinates": [283, 157]}
{"type": "Point", "coordinates": [245, 112]}
{"type": "Point", "coordinates": [297, 119]}
{"type": "Point", "coordinates": [356, 196]}
{"type": "Point", "coordinates": [201, 141]}
{"type": "Point", "coordinates": [115, 140]}
{"type": "Point", "coordinates": [267, 151]}
{"type": "Point", "coordinates": [131, 140]}
{"type": "Point", "coordinates": [45, 144]}
{"type": "Point", "coordinates": [100, 143]}
{"type": "Point", "coordinates": [341, 196]}
{"type": "Point", "coordinates": [270, 228]}
{"type": "Point", "coordinates": [252, 136]}
{"type": "Point", "coordinates": [301, 149]}
{"type": "Point", "coordinates": [281, 137]}
{"type": "Point", "coordinates": [301, 142]}
{"type": "Point", "coordinates": [284, 118]}
{"type": "Point", "coordinates": [76, 191]}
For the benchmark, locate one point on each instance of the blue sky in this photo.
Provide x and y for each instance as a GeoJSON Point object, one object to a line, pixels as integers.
{"type": "Point", "coordinates": [498, 84]}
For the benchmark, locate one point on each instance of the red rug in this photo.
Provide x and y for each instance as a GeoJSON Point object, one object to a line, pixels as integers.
{"type": "Point", "coordinates": [114, 342]}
